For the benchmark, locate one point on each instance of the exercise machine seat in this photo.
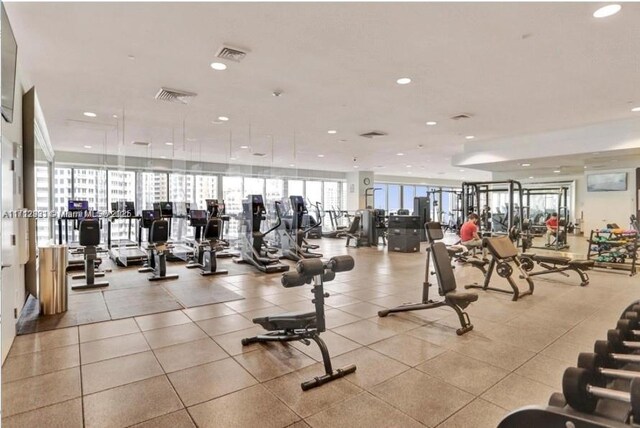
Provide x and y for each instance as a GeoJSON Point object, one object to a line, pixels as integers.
{"type": "Point", "coordinates": [287, 321]}
{"type": "Point", "coordinates": [89, 232]}
{"type": "Point", "coordinates": [559, 260]}
{"type": "Point", "coordinates": [460, 298]}
{"type": "Point", "coordinates": [582, 264]}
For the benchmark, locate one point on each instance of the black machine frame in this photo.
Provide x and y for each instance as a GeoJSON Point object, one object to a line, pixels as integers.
{"type": "Point", "coordinates": [562, 208]}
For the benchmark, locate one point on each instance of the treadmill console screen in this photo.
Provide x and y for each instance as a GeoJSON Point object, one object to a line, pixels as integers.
{"type": "Point", "coordinates": [130, 208]}
{"type": "Point", "coordinates": [165, 208]}
{"type": "Point", "coordinates": [198, 218]}
{"type": "Point", "coordinates": [148, 217]}
{"type": "Point", "coordinates": [78, 205]}
{"type": "Point", "coordinates": [114, 206]}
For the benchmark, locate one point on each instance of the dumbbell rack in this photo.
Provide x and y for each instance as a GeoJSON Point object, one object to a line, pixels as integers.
{"type": "Point", "coordinates": [615, 244]}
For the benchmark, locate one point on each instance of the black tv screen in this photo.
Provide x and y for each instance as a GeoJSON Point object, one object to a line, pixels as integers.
{"type": "Point", "coordinates": [611, 182]}
{"type": "Point", "coordinates": [9, 54]}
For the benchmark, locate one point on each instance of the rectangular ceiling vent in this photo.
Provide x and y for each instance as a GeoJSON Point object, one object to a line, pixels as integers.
{"type": "Point", "coordinates": [373, 134]}
{"type": "Point", "coordinates": [174, 95]}
{"type": "Point", "coordinates": [232, 54]}
{"type": "Point", "coordinates": [259, 154]}
{"type": "Point", "coordinates": [461, 116]}
{"type": "Point", "coordinates": [141, 143]}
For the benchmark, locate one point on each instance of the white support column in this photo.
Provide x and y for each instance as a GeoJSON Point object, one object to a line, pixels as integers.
{"type": "Point", "coordinates": [357, 183]}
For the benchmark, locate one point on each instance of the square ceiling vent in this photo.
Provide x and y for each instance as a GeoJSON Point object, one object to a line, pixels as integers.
{"type": "Point", "coordinates": [175, 95]}
{"type": "Point", "coordinates": [232, 54]}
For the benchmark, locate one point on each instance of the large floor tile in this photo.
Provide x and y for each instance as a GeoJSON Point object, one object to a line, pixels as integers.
{"type": "Point", "coordinates": [464, 372]}
{"type": "Point", "coordinates": [362, 309]}
{"type": "Point", "coordinates": [173, 335]}
{"type": "Point", "coordinates": [496, 353]}
{"type": "Point", "coordinates": [130, 404]}
{"type": "Point", "coordinates": [372, 367]}
{"type": "Point", "coordinates": [44, 341]}
{"type": "Point", "coordinates": [545, 370]}
{"type": "Point", "coordinates": [179, 419]}
{"type": "Point", "coordinates": [273, 360]}
{"type": "Point", "coordinates": [336, 344]}
{"type": "Point", "coordinates": [161, 320]}
{"type": "Point", "coordinates": [306, 403]}
{"type": "Point", "coordinates": [29, 394]}
{"type": "Point", "coordinates": [38, 363]}
{"type": "Point", "coordinates": [364, 332]}
{"type": "Point", "coordinates": [232, 342]}
{"type": "Point", "coordinates": [103, 349]}
{"type": "Point", "coordinates": [202, 383]}
{"type": "Point", "coordinates": [199, 313]}
{"type": "Point", "coordinates": [478, 414]}
{"type": "Point", "coordinates": [407, 349]}
{"type": "Point", "coordinates": [516, 391]}
{"type": "Point", "coordinates": [185, 355]}
{"type": "Point", "coordinates": [67, 414]}
{"type": "Point", "coordinates": [251, 407]}
{"type": "Point", "coordinates": [107, 329]}
{"type": "Point", "coordinates": [362, 411]}
{"type": "Point", "coordinates": [225, 324]}
{"type": "Point", "coordinates": [424, 398]}
{"type": "Point", "coordinates": [119, 371]}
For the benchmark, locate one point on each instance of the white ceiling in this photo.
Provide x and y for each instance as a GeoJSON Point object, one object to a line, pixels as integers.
{"type": "Point", "coordinates": [516, 68]}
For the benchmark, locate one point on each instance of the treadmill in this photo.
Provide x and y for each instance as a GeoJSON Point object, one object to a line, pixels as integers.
{"type": "Point", "coordinates": [125, 252]}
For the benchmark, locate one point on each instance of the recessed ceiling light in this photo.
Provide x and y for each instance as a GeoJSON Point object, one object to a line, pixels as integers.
{"type": "Point", "coordinates": [420, 146]}
{"type": "Point", "coordinates": [218, 66]}
{"type": "Point", "coordinates": [356, 166]}
{"type": "Point", "coordinates": [585, 167]}
{"type": "Point", "coordinates": [217, 122]}
{"type": "Point", "coordinates": [635, 109]}
{"type": "Point", "coordinates": [431, 123]}
{"type": "Point", "coordinates": [400, 154]}
{"type": "Point", "coordinates": [531, 176]}
{"type": "Point", "coordinates": [192, 139]}
{"type": "Point", "coordinates": [331, 131]}
{"type": "Point", "coordinates": [232, 158]}
{"type": "Point", "coordinates": [408, 166]}
{"type": "Point", "coordinates": [292, 165]}
{"type": "Point", "coordinates": [470, 137]}
{"type": "Point", "coordinates": [403, 81]}
{"type": "Point", "coordinates": [608, 10]}
{"type": "Point", "coordinates": [87, 147]}
{"type": "Point", "coordinates": [115, 116]}
{"type": "Point", "coordinates": [557, 171]}
{"type": "Point", "coordinates": [223, 118]}
{"type": "Point", "coordinates": [320, 156]}
{"type": "Point", "coordinates": [244, 147]}
{"type": "Point", "coordinates": [525, 164]}
{"type": "Point", "coordinates": [462, 170]}
{"type": "Point", "coordinates": [409, 172]}
{"type": "Point", "coordinates": [169, 143]}
{"type": "Point", "coordinates": [163, 157]}
{"type": "Point", "coordinates": [131, 57]}
{"type": "Point", "coordinates": [89, 114]}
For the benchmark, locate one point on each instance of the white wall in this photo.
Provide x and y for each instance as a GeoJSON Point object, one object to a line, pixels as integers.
{"type": "Point", "coordinates": [600, 208]}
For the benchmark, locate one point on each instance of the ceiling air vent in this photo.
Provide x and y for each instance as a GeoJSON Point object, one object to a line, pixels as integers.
{"type": "Point", "coordinates": [461, 116]}
{"type": "Point", "coordinates": [373, 134]}
{"type": "Point", "coordinates": [141, 143]}
{"type": "Point", "coordinates": [259, 154]}
{"type": "Point", "coordinates": [231, 54]}
{"type": "Point", "coordinates": [174, 95]}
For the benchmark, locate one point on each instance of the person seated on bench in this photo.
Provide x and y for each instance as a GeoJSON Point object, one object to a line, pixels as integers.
{"type": "Point", "coordinates": [307, 326]}
{"type": "Point", "coordinates": [556, 264]}
{"type": "Point", "coordinates": [469, 233]}
{"type": "Point", "coordinates": [456, 300]}
{"type": "Point", "coordinates": [552, 227]}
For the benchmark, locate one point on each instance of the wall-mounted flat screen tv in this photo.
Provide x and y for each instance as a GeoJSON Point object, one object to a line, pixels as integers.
{"type": "Point", "coordinates": [9, 52]}
{"type": "Point", "coordinates": [611, 182]}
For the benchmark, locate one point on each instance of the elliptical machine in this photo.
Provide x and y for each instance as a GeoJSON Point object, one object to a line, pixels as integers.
{"type": "Point", "coordinates": [254, 249]}
{"type": "Point", "coordinates": [89, 234]}
{"type": "Point", "coordinates": [294, 245]}
{"type": "Point", "coordinates": [206, 248]}
{"type": "Point", "coordinates": [156, 246]}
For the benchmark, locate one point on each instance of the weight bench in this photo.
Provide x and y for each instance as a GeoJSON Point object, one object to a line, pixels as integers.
{"type": "Point", "coordinates": [460, 253]}
{"type": "Point", "coordinates": [446, 283]}
{"type": "Point", "coordinates": [504, 253]}
{"type": "Point", "coordinates": [307, 326]}
{"type": "Point", "coordinates": [556, 264]}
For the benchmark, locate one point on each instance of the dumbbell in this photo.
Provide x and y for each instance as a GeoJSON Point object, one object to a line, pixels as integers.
{"type": "Point", "coordinates": [629, 328]}
{"type": "Point", "coordinates": [582, 390]}
{"type": "Point", "coordinates": [595, 364]}
{"type": "Point", "coordinates": [619, 342]}
{"type": "Point", "coordinates": [611, 357]}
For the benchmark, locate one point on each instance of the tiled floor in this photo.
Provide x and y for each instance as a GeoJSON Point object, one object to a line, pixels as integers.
{"type": "Point", "coordinates": [186, 367]}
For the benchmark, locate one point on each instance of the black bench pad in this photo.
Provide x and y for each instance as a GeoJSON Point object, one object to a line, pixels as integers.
{"type": "Point", "coordinates": [287, 321]}
{"type": "Point", "coordinates": [558, 260]}
{"type": "Point", "coordinates": [461, 298]}
{"type": "Point", "coordinates": [582, 264]}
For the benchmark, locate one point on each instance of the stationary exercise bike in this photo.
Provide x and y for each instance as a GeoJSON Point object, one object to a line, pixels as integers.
{"type": "Point", "coordinates": [157, 248]}
{"type": "Point", "coordinates": [89, 234]}
{"type": "Point", "coordinates": [207, 247]}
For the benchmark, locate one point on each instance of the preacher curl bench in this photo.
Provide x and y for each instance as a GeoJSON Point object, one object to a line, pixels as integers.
{"type": "Point", "coordinates": [307, 326]}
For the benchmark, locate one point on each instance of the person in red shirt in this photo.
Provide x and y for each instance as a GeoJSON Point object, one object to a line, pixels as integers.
{"type": "Point", "coordinates": [469, 232]}
{"type": "Point", "coordinates": [552, 227]}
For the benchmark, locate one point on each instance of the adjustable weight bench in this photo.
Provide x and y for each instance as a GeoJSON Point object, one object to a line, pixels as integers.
{"type": "Point", "coordinates": [446, 283]}
{"type": "Point", "coordinates": [556, 264]}
{"type": "Point", "coordinates": [307, 326]}
{"type": "Point", "coordinates": [504, 254]}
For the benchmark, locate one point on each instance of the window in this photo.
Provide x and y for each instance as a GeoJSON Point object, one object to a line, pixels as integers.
{"type": "Point", "coordinates": [314, 192]}
{"type": "Point", "coordinates": [122, 187]}
{"type": "Point", "coordinates": [152, 187]}
{"type": "Point", "coordinates": [421, 191]}
{"type": "Point", "coordinates": [380, 197]}
{"type": "Point", "coordinates": [253, 186]}
{"type": "Point", "coordinates": [344, 196]}
{"type": "Point", "coordinates": [295, 188]}
{"type": "Point", "coordinates": [274, 189]}
{"type": "Point", "coordinates": [232, 195]}
{"type": "Point", "coordinates": [42, 202]}
{"type": "Point", "coordinates": [393, 198]}
{"type": "Point", "coordinates": [64, 194]}
{"type": "Point", "coordinates": [206, 188]}
{"type": "Point", "coordinates": [181, 187]}
{"type": "Point", "coordinates": [408, 193]}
